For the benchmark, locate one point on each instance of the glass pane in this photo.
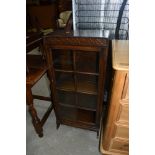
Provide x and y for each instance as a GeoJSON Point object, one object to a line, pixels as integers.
{"type": "Point", "coordinates": [87, 61]}
{"type": "Point", "coordinates": [87, 83]}
{"type": "Point", "coordinates": [87, 101]}
{"type": "Point", "coordinates": [79, 115]}
{"type": "Point", "coordinates": [62, 59]}
{"type": "Point", "coordinates": [68, 113]}
{"type": "Point", "coordinates": [67, 98]}
{"type": "Point", "coordinates": [65, 81]}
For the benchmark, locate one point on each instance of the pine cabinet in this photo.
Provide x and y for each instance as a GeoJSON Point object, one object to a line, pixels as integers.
{"type": "Point", "coordinates": [115, 133]}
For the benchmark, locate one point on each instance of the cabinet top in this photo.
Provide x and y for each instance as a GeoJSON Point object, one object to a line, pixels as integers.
{"type": "Point", "coordinates": [61, 38]}
{"type": "Point", "coordinates": [102, 34]}
{"type": "Point", "coordinates": [120, 54]}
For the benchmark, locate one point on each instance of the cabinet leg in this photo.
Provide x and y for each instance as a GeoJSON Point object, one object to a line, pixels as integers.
{"type": "Point", "coordinates": [97, 134]}
{"type": "Point", "coordinates": [58, 124]}
{"type": "Point", "coordinates": [35, 120]}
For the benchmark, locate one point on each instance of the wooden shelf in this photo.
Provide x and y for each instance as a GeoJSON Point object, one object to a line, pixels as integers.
{"type": "Point", "coordinates": [76, 72]}
{"type": "Point", "coordinates": [77, 107]}
{"type": "Point", "coordinates": [87, 84]}
{"type": "Point", "coordinates": [77, 100]}
{"type": "Point", "coordinates": [87, 88]}
{"type": "Point", "coordinates": [82, 87]}
{"type": "Point", "coordinates": [66, 86]}
{"type": "Point", "coordinates": [84, 83]}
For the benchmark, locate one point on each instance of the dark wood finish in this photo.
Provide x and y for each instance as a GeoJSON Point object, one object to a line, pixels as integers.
{"type": "Point", "coordinates": [62, 39]}
{"type": "Point", "coordinates": [35, 120]}
{"type": "Point", "coordinates": [33, 40]}
{"type": "Point", "coordinates": [36, 68]}
{"type": "Point", "coordinates": [78, 71]}
{"type": "Point", "coordinates": [43, 16]}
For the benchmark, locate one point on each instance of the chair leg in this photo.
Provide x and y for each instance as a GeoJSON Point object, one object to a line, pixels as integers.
{"type": "Point", "coordinates": [35, 120]}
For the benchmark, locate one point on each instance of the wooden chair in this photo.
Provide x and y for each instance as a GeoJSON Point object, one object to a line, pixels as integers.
{"type": "Point", "coordinates": [36, 67]}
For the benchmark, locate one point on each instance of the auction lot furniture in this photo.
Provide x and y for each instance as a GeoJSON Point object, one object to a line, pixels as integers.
{"type": "Point", "coordinates": [115, 133]}
{"type": "Point", "coordinates": [36, 67]}
{"type": "Point", "coordinates": [78, 67]}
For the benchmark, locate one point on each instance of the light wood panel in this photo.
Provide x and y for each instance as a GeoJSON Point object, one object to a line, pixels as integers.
{"type": "Point", "coordinates": [115, 134]}
{"type": "Point", "coordinates": [122, 131]}
{"type": "Point", "coordinates": [123, 114]}
{"type": "Point", "coordinates": [120, 54]}
{"type": "Point", "coordinates": [119, 145]}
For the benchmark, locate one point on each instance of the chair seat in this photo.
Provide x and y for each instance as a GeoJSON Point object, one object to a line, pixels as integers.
{"type": "Point", "coordinates": [34, 75]}
{"type": "Point", "coordinates": [35, 61]}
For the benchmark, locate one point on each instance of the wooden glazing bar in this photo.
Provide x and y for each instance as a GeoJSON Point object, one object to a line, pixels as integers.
{"type": "Point", "coordinates": [76, 72]}
{"type": "Point", "coordinates": [83, 48]}
{"type": "Point", "coordinates": [75, 106]}
{"type": "Point", "coordinates": [78, 91]}
{"type": "Point", "coordinates": [75, 78]}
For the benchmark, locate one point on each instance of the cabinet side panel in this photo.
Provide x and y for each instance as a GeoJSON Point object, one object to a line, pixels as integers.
{"type": "Point", "coordinates": [118, 84]}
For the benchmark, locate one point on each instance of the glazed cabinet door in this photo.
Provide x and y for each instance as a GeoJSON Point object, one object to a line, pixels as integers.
{"type": "Point", "coordinates": [79, 86]}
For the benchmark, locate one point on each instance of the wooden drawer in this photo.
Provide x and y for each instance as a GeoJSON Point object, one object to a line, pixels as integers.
{"type": "Point", "coordinates": [119, 145]}
{"type": "Point", "coordinates": [123, 115]}
{"type": "Point", "coordinates": [122, 131]}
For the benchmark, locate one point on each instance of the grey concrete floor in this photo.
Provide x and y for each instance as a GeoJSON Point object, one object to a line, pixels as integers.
{"type": "Point", "coordinates": [64, 141]}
